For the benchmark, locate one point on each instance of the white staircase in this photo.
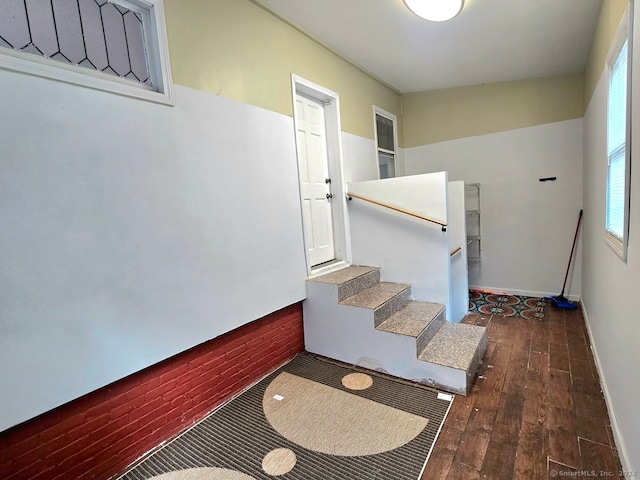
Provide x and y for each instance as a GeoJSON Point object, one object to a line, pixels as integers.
{"type": "Point", "coordinates": [349, 315]}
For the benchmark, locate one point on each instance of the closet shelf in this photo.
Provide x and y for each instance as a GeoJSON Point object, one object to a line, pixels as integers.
{"type": "Point", "coordinates": [473, 224]}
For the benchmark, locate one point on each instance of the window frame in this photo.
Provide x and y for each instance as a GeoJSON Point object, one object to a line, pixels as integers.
{"type": "Point", "coordinates": [377, 111]}
{"type": "Point", "coordinates": [157, 56]}
{"type": "Point", "coordinates": [623, 34]}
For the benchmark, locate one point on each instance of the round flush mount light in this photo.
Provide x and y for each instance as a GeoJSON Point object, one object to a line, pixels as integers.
{"type": "Point", "coordinates": [435, 10]}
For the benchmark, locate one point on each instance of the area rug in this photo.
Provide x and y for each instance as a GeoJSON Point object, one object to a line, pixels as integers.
{"type": "Point", "coordinates": [310, 420]}
{"type": "Point", "coordinates": [506, 305]}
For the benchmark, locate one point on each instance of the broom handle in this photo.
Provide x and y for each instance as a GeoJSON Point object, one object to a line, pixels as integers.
{"type": "Point", "coordinates": [575, 237]}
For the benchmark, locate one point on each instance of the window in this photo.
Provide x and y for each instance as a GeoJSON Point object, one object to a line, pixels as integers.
{"type": "Point", "coordinates": [386, 141]}
{"type": "Point", "coordinates": [115, 45]}
{"type": "Point", "coordinates": [618, 142]}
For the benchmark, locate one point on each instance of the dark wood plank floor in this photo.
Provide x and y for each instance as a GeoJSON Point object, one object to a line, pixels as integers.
{"type": "Point", "coordinates": [536, 409]}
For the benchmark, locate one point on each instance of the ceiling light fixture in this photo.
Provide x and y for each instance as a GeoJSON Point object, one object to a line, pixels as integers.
{"type": "Point", "coordinates": [435, 10]}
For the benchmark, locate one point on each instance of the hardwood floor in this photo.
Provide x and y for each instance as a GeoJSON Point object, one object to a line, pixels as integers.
{"type": "Point", "coordinates": [536, 410]}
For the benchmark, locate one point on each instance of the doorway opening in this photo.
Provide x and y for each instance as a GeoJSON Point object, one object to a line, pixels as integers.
{"type": "Point", "coordinates": [316, 116]}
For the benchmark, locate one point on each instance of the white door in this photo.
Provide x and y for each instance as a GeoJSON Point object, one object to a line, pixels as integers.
{"type": "Point", "coordinates": [315, 183]}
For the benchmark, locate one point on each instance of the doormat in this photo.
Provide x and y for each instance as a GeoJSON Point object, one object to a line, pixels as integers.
{"type": "Point", "coordinates": [506, 305]}
{"type": "Point", "coordinates": [309, 420]}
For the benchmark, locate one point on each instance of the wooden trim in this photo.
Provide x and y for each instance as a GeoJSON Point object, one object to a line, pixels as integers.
{"type": "Point", "coordinates": [398, 209]}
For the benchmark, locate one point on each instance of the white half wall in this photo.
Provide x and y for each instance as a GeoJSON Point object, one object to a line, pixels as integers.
{"type": "Point", "coordinates": [458, 268]}
{"type": "Point", "coordinates": [609, 284]}
{"type": "Point", "coordinates": [360, 162]}
{"type": "Point", "coordinates": [527, 226]}
{"type": "Point", "coordinates": [133, 231]}
{"type": "Point", "coordinates": [422, 194]}
{"type": "Point", "coordinates": [408, 250]}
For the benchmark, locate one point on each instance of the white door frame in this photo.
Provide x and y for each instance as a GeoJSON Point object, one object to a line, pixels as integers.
{"type": "Point", "coordinates": [331, 101]}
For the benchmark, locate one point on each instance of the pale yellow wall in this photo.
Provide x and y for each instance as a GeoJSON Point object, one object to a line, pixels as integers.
{"type": "Point", "coordinates": [610, 15]}
{"type": "Point", "coordinates": [236, 49]}
{"type": "Point", "coordinates": [438, 115]}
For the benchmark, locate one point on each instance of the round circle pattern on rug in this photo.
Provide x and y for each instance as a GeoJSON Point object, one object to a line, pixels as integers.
{"type": "Point", "coordinates": [279, 461]}
{"type": "Point", "coordinates": [474, 295]}
{"type": "Point", "coordinates": [357, 381]}
{"type": "Point", "coordinates": [535, 302]}
{"type": "Point", "coordinates": [503, 299]}
{"type": "Point", "coordinates": [493, 309]}
{"type": "Point", "coordinates": [204, 473]}
{"type": "Point", "coordinates": [333, 421]}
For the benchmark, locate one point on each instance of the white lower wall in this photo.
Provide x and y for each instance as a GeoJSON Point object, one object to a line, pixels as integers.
{"type": "Point", "coordinates": [132, 231]}
{"type": "Point", "coordinates": [609, 284]}
{"type": "Point", "coordinates": [527, 226]}
{"type": "Point", "coordinates": [359, 157]}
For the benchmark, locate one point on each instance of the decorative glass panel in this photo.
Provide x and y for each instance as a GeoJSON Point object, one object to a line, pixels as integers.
{"type": "Point", "coordinates": [137, 54]}
{"type": "Point", "coordinates": [14, 28]}
{"type": "Point", "coordinates": [97, 34]}
{"type": "Point", "coordinates": [116, 39]}
{"type": "Point", "coordinates": [69, 30]}
{"type": "Point", "coordinates": [42, 27]}
{"type": "Point", "coordinates": [93, 35]}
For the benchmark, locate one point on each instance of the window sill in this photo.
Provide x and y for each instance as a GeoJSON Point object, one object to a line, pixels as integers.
{"type": "Point", "coordinates": [618, 246]}
{"type": "Point", "coordinates": [68, 73]}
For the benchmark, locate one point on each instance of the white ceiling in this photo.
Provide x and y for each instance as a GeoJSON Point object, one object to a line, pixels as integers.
{"type": "Point", "coordinates": [489, 41]}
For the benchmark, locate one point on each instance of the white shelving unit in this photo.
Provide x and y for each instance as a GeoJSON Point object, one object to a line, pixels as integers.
{"type": "Point", "coordinates": [474, 231]}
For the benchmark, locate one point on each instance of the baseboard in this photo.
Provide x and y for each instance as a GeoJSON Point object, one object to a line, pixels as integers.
{"type": "Point", "coordinates": [524, 293]}
{"type": "Point", "coordinates": [617, 436]}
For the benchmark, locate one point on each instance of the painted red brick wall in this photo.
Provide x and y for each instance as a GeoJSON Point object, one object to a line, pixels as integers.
{"type": "Point", "coordinates": [100, 434]}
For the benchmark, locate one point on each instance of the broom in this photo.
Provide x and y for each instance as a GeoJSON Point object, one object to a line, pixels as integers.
{"type": "Point", "coordinates": [561, 301]}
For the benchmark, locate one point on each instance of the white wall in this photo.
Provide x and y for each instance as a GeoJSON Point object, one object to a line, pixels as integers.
{"type": "Point", "coordinates": [527, 226]}
{"type": "Point", "coordinates": [360, 162]}
{"type": "Point", "coordinates": [610, 285]}
{"type": "Point", "coordinates": [132, 231]}
{"type": "Point", "coordinates": [408, 250]}
{"type": "Point", "coordinates": [458, 265]}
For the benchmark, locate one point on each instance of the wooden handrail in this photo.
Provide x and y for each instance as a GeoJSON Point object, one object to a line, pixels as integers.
{"type": "Point", "coordinates": [398, 209]}
{"type": "Point", "coordinates": [453, 252]}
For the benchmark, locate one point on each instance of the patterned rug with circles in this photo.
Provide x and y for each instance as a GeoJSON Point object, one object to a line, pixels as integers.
{"type": "Point", "coordinates": [506, 305]}
{"type": "Point", "coordinates": [312, 419]}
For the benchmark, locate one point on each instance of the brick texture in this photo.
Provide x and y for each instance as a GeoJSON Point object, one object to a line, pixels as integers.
{"type": "Point", "coordinates": [99, 435]}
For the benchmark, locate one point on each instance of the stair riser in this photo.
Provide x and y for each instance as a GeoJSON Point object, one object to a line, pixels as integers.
{"type": "Point", "coordinates": [428, 333]}
{"type": "Point", "coordinates": [391, 306]}
{"type": "Point", "coordinates": [345, 333]}
{"type": "Point", "coordinates": [447, 379]}
{"type": "Point", "coordinates": [358, 284]}
{"type": "Point", "coordinates": [477, 358]}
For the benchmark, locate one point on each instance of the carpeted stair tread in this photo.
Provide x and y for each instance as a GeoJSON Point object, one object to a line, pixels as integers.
{"type": "Point", "coordinates": [376, 296]}
{"type": "Point", "coordinates": [456, 345]}
{"type": "Point", "coordinates": [344, 275]}
{"type": "Point", "coordinates": [412, 319]}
